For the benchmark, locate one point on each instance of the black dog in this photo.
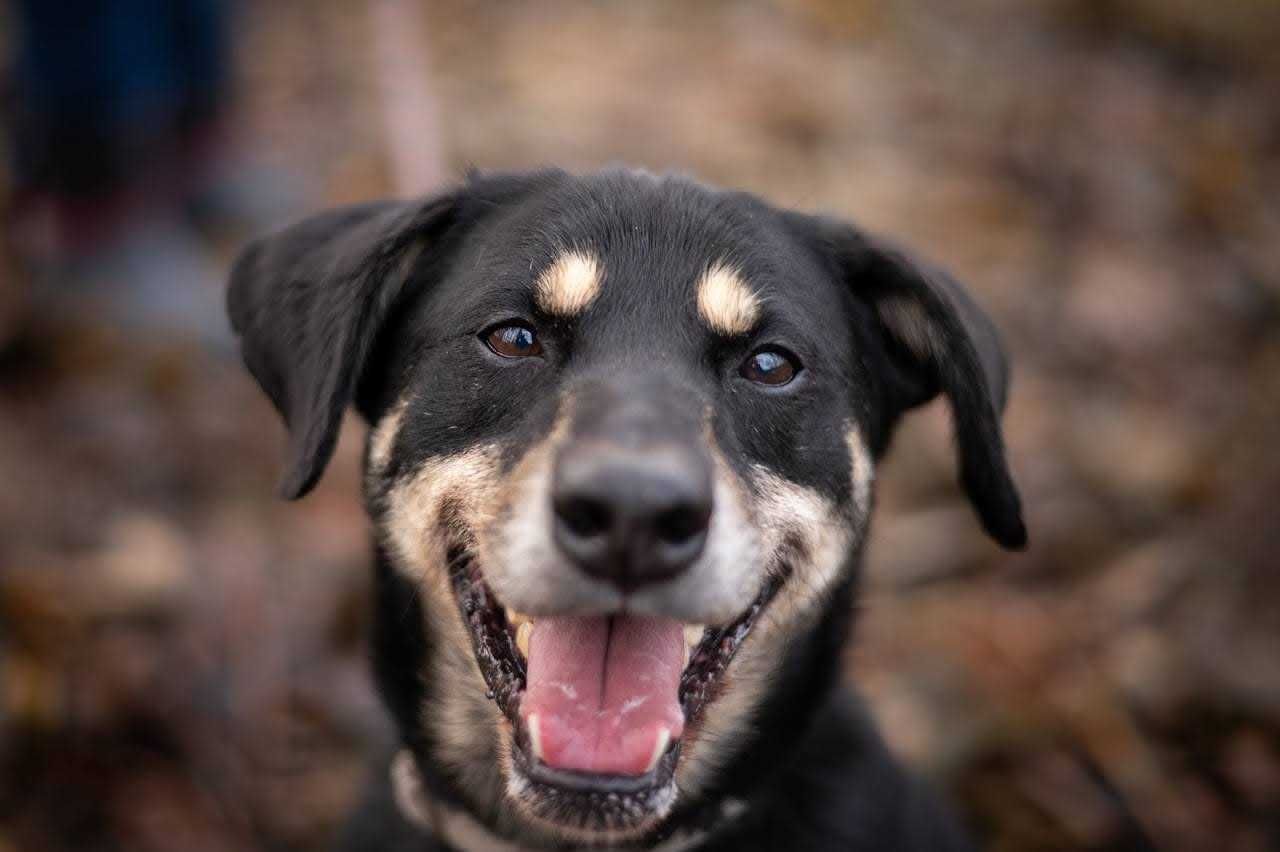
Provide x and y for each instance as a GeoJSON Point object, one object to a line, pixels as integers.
{"type": "Point", "coordinates": [620, 468]}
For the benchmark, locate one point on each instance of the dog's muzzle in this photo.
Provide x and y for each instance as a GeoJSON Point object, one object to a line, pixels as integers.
{"type": "Point", "coordinates": [631, 516]}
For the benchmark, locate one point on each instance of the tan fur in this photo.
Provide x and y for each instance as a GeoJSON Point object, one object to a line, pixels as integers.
{"type": "Point", "coordinates": [465, 724]}
{"type": "Point", "coordinates": [616, 838]}
{"type": "Point", "coordinates": [462, 831]}
{"type": "Point", "coordinates": [782, 510]}
{"type": "Point", "coordinates": [410, 256]}
{"type": "Point", "coordinates": [414, 506]}
{"type": "Point", "coordinates": [728, 576]}
{"type": "Point", "coordinates": [864, 469]}
{"type": "Point", "coordinates": [473, 737]}
{"type": "Point", "coordinates": [505, 518]}
{"type": "Point", "coordinates": [409, 792]}
{"type": "Point", "coordinates": [569, 285]}
{"type": "Point", "coordinates": [527, 571]}
{"type": "Point", "coordinates": [725, 302]}
{"type": "Point", "coordinates": [906, 319]}
{"type": "Point", "coordinates": [449, 824]}
{"type": "Point", "coordinates": [383, 438]}
{"type": "Point", "coordinates": [521, 562]}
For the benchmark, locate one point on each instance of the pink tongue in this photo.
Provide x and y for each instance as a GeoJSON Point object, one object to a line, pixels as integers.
{"type": "Point", "coordinates": [601, 690]}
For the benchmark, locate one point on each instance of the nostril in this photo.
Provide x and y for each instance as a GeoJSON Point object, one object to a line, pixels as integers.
{"type": "Point", "coordinates": [681, 523]}
{"type": "Point", "coordinates": [583, 516]}
{"type": "Point", "coordinates": [628, 516]}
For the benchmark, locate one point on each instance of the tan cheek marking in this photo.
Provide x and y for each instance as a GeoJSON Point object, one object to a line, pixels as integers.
{"type": "Point", "coordinates": [412, 533]}
{"type": "Point", "coordinates": [733, 545]}
{"type": "Point", "coordinates": [464, 722]}
{"type": "Point", "coordinates": [863, 468]}
{"type": "Point", "coordinates": [515, 547]}
{"type": "Point", "coordinates": [725, 302]}
{"type": "Point", "coordinates": [383, 437]}
{"type": "Point", "coordinates": [568, 285]}
{"type": "Point", "coordinates": [408, 791]}
{"type": "Point", "coordinates": [724, 722]}
{"type": "Point", "coordinates": [413, 506]}
{"type": "Point", "coordinates": [785, 512]}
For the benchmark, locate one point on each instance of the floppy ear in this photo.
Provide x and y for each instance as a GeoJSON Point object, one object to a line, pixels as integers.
{"type": "Point", "coordinates": [308, 303]}
{"type": "Point", "coordinates": [939, 341]}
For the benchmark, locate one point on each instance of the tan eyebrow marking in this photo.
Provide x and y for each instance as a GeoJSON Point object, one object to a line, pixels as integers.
{"type": "Point", "coordinates": [569, 285]}
{"type": "Point", "coordinates": [725, 302]}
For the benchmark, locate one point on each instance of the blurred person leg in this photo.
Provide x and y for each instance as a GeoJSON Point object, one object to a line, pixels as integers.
{"type": "Point", "coordinates": [119, 134]}
{"type": "Point", "coordinates": [98, 91]}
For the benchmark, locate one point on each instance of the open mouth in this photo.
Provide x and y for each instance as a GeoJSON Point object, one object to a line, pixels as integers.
{"type": "Point", "coordinates": [599, 704]}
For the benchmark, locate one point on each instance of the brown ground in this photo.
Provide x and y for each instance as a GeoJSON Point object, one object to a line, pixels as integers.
{"type": "Point", "coordinates": [181, 657]}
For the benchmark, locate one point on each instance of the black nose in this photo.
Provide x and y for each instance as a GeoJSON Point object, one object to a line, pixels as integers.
{"type": "Point", "coordinates": [631, 517]}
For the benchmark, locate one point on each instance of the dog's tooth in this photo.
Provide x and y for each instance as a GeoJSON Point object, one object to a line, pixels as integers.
{"type": "Point", "coordinates": [523, 633]}
{"type": "Point", "coordinates": [685, 663]}
{"type": "Point", "coordinates": [693, 634]}
{"type": "Point", "coordinates": [515, 619]}
{"type": "Point", "coordinates": [659, 747]}
{"type": "Point", "coordinates": [535, 735]}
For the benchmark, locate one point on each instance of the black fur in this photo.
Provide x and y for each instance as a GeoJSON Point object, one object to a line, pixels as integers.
{"type": "Point", "coordinates": [839, 789]}
{"type": "Point", "coordinates": [330, 316]}
{"type": "Point", "coordinates": [965, 362]}
{"type": "Point", "coordinates": [309, 305]}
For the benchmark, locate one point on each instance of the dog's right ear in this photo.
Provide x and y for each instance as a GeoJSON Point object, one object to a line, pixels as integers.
{"type": "Point", "coordinates": [308, 303]}
{"type": "Point", "coordinates": [936, 341]}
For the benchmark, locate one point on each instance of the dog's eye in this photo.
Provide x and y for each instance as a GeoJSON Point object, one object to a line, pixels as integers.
{"type": "Point", "coordinates": [770, 366]}
{"type": "Point", "coordinates": [513, 340]}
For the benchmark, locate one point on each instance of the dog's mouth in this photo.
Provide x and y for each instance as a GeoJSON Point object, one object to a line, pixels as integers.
{"type": "Point", "coordinates": [599, 704]}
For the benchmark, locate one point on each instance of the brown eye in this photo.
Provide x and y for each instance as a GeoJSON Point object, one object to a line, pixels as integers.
{"type": "Point", "coordinates": [513, 341]}
{"type": "Point", "coordinates": [770, 367]}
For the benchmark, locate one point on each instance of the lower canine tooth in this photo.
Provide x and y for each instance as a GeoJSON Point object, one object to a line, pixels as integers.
{"type": "Point", "coordinates": [659, 748]}
{"type": "Point", "coordinates": [535, 736]}
{"type": "Point", "coordinates": [693, 634]}
{"type": "Point", "coordinates": [523, 633]}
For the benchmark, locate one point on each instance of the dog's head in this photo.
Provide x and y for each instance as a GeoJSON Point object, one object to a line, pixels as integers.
{"type": "Point", "coordinates": [620, 467]}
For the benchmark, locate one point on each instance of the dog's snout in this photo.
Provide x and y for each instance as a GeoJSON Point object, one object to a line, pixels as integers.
{"type": "Point", "coordinates": [631, 517]}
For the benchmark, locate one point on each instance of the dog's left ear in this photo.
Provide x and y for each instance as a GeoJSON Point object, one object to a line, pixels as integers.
{"type": "Point", "coordinates": [308, 303]}
{"type": "Point", "coordinates": [937, 340]}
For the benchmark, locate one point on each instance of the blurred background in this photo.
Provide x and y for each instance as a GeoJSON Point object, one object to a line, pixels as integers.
{"type": "Point", "coordinates": [182, 657]}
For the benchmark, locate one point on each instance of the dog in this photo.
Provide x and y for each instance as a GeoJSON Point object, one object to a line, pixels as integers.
{"type": "Point", "coordinates": [620, 469]}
